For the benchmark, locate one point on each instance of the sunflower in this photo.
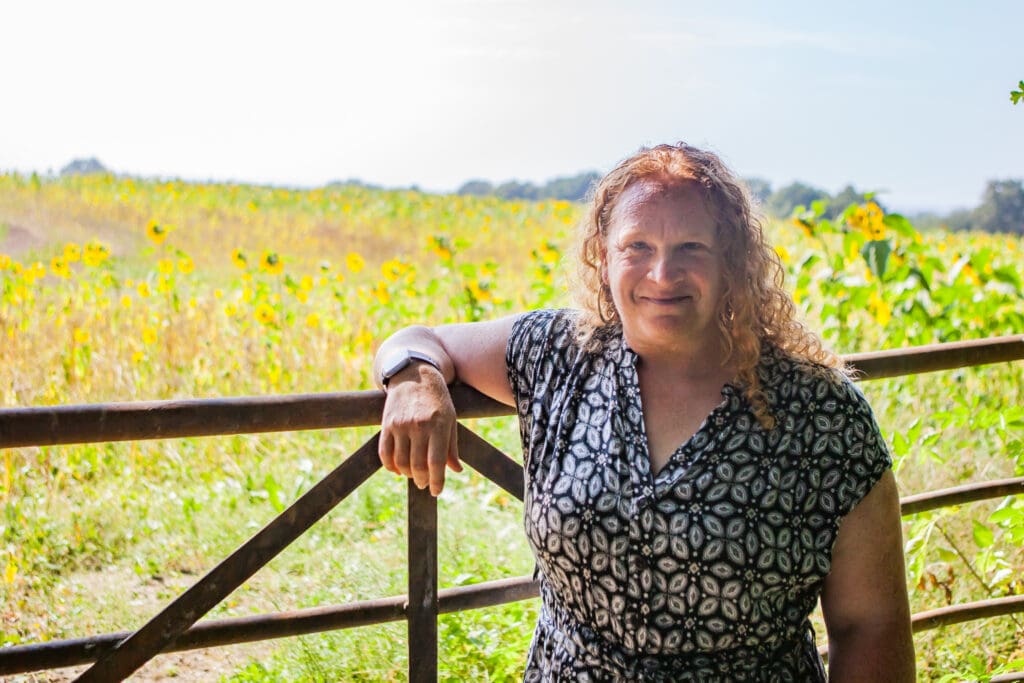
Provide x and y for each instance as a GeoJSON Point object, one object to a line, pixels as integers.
{"type": "Point", "coordinates": [354, 262]}
{"type": "Point", "coordinates": [271, 263]}
{"type": "Point", "coordinates": [266, 314]}
{"type": "Point", "coordinates": [238, 258]}
{"type": "Point", "coordinates": [156, 232]}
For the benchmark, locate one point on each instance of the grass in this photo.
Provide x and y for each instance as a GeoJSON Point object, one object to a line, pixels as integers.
{"type": "Point", "coordinates": [95, 538]}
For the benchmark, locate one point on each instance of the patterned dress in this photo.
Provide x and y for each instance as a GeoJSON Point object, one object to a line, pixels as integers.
{"type": "Point", "coordinates": [708, 571]}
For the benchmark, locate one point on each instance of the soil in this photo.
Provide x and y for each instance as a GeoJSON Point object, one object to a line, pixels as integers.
{"type": "Point", "coordinates": [146, 596]}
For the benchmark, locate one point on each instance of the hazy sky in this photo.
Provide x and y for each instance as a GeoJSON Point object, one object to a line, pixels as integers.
{"type": "Point", "coordinates": [908, 98]}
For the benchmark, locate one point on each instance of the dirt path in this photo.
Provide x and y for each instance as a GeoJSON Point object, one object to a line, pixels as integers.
{"type": "Point", "coordinates": [144, 597]}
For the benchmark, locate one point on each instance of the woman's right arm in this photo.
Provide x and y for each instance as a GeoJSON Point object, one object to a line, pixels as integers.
{"type": "Point", "coordinates": [418, 430]}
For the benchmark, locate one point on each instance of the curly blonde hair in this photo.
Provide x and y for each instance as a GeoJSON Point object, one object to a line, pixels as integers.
{"type": "Point", "coordinates": [754, 310]}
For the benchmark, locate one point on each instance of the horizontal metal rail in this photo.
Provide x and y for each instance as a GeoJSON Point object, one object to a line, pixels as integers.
{"type": "Point", "coordinates": [958, 495]}
{"type": "Point", "coordinates": [217, 632]}
{"type": "Point", "coordinates": [141, 420]}
{"type": "Point", "coordinates": [478, 453]}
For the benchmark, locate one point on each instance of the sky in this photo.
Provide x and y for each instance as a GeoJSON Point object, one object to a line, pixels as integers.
{"type": "Point", "coordinates": [908, 99]}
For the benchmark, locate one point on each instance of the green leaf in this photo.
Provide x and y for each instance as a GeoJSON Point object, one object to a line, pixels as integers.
{"type": "Point", "coordinates": [876, 253]}
{"type": "Point", "coordinates": [982, 534]}
{"type": "Point", "coordinates": [1007, 514]}
{"type": "Point", "coordinates": [899, 225]}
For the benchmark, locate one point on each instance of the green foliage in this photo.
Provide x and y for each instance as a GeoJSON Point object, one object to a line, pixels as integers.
{"type": "Point", "coordinates": [1017, 95]}
{"type": "Point", "coordinates": [784, 201]}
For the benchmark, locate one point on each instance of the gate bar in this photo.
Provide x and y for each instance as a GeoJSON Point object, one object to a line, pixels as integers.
{"type": "Point", "coordinates": [141, 420]}
{"type": "Point", "coordinates": [190, 606]}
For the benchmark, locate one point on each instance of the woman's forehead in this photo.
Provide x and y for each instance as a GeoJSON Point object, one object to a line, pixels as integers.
{"type": "Point", "coordinates": [646, 193]}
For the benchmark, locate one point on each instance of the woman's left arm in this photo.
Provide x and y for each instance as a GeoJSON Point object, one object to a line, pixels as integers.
{"type": "Point", "coordinates": [864, 599]}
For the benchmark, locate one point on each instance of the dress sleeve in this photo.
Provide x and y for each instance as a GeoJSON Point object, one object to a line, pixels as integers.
{"type": "Point", "coordinates": [865, 455]}
{"type": "Point", "coordinates": [530, 353]}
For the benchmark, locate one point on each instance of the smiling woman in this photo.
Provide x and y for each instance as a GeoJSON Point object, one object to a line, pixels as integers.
{"type": "Point", "coordinates": [699, 469]}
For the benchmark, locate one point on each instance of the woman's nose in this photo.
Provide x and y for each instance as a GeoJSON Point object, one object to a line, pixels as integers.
{"type": "Point", "coordinates": [664, 268]}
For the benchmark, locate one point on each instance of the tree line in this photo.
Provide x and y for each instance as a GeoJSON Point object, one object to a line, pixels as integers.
{"type": "Point", "coordinates": [1001, 208]}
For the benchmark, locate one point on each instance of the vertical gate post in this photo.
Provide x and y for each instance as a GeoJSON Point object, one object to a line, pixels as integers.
{"type": "Point", "coordinates": [422, 609]}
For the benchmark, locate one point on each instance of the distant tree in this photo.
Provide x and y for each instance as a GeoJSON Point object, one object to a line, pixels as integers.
{"type": "Point", "coordinates": [1001, 208]}
{"type": "Point", "coordinates": [513, 189]}
{"type": "Point", "coordinates": [1016, 96]}
{"type": "Point", "coordinates": [846, 196]}
{"type": "Point", "coordinates": [478, 188]}
{"type": "Point", "coordinates": [760, 189]}
{"type": "Point", "coordinates": [782, 202]}
{"type": "Point", "coordinates": [354, 182]}
{"type": "Point", "coordinates": [571, 188]}
{"type": "Point", "coordinates": [84, 167]}
{"type": "Point", "coordinates": [961, 219]}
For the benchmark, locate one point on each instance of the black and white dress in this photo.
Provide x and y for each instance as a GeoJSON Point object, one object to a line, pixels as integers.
{"type": "Point", "coordinates": [707, 572]}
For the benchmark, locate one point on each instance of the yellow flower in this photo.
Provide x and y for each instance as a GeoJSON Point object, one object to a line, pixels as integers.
{"type": "Point", "coordinates": [805, 225]}
{"type": "Point", "coordinates": [480, 291]}
{"type": "Point", "coordinates": [230, 310]}
{"type": "Point", "coordinates": [393, 269]}
{"type": "Point", "coordinates": [95, 254]}
{"type": "Point", "coordinates": [81, 336]}
{"type": "Point", "coordinates": [60, 267]}
{"type": "Point", "coordinates": [970, 274]}
{"type": "Point", "coordinates": [266, 314]}
{"type": "Point", "coordinates": [880, 309]}
{"type": "Point", "coordinates": [218, 293]}
{"type": "Point", "coordinates": [185, 265]}
{"type": "Point", "coordinates": [164, 284]}
{"type": "Point", "coordinates": [137, 357]}
{"type": "Point", "coordinates": [870, 220]}
{"type": "Point", "coordinates": [381, 292]}
{"type": "Point", "coordinates": [238, 258]}
{"type": "Point", "coordinates": [306, 284]}
{"type": "Point", "coordinates": [783, 253]}
{"type": "Point", "coordinates": [165, 266]}
{"type": "Point", "coordinates": [548, 253]}
{"type": "Point", "coordinates": [440, 246]}
{"type": "Point", "coordinates": [144, 289]}
{"type": "Point", "coordinates": [148, 336]}
{"type": "Point", "coordinates": [126, 301]}
{"type": "Point", "coordinates": [156, 232]}
{"type": "Point", "coordinates": [271, 263]}
{"type": "Point", "coordinates": [5, 261]}
{"type": "Point", "coordinates": [72, 252]}
{"type": "Point", "coordinates": [354, 262]}
{"type": "Point", "coordinates": [313, 320]}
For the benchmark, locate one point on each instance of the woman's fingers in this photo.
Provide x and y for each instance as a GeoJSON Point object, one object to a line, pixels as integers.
{"type": "Point", "coordinates": [453, 448]}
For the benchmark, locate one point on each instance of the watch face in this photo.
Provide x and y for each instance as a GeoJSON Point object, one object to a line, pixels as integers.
{"type": "Point", "coordinates": [394, 363]}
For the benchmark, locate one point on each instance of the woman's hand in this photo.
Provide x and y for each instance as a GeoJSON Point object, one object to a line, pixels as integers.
{"type": "Point", "coordinates": [418, 430]}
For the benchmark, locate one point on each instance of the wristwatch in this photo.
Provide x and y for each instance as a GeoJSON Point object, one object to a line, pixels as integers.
{"type": "Point", "coordinates": [398, 360]}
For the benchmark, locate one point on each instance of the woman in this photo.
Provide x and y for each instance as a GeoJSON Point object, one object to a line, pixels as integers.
{"type": "Point", "coordinates": [699, 469]}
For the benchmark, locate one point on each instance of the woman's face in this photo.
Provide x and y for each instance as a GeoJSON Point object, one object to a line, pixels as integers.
{"type": "Point", "coordinates": [664, 268]}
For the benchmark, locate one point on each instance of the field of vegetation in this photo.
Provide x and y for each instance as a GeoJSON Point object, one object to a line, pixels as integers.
{"type": "Point", "coordinates": [119, 289]}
